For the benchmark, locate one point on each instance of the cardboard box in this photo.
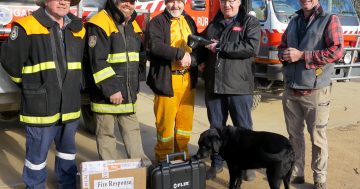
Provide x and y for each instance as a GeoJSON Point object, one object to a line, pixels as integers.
{"type": "Point", "coordinates": [113, 174]}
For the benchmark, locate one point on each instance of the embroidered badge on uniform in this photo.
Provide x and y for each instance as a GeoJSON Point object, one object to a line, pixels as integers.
{"type": "Point", "coordinates": [92, 41]}
{"type": "Point", "coordinates": [14, 33]}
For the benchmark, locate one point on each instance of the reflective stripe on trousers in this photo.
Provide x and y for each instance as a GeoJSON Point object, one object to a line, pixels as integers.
{"type": "Point", "coordinates": [174, 117]}
{"type": "Point", "coordinates": [38, 142]}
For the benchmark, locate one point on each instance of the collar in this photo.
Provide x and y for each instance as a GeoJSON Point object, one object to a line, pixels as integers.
{"type": "Point", "coordinates": [239, 17]}
{"type": "Point", "coordinates": [228, 22]}
{"type": "Point", "coordinates": [170, 17]}
{"type": "Point", "coordinates": [116, 14]}
{"type": "Point", "coordinates": [67, 20]}
{"type": "Point", "coordinates": [317, 11]}
{"type": "Point", "coordinates": [73, 23]}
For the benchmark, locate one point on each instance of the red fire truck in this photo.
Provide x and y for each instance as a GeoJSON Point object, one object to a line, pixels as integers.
{"type": "Point", "coordinates": [274, 15]}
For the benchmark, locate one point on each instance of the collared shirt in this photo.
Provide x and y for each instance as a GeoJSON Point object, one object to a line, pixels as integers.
{"type": "Point", "coordinates": [333, 39]}
{"type": "Point", "coordinates": [61, 33]}
{"type": "Point", "coordinates": [227, 22]}
{"type": "Point", "coordinates": [67, 20]}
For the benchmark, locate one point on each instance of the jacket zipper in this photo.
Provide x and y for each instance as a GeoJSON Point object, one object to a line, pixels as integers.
{"type": "Point", "coordinates": [123, 34]}
{"type": "Point", "coordinates": [53, 48]}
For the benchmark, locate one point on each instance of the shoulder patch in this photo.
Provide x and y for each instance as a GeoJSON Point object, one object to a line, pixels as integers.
{"type": "Point", "coordinates": [14, 33]}
{"type": "Point", "coordinates": [92, 41]}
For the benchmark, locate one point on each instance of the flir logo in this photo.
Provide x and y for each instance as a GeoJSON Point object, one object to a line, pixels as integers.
{"type": "Point", "coordinates": [181, 184]}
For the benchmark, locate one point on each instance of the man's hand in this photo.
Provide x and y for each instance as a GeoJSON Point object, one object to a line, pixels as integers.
{"type": "Point", "coordinates": [292, 55]}
{"type": "Point", "coordinates": [116, 98]}
{"type": "Point", "coordinates": [212, 46]}
{"type": "Point", "coordinates": [186, 60]}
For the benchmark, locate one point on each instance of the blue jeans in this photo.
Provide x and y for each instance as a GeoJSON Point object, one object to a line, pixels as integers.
{"type": "Point", "coordinates": [219, 106]}
{"type": "Point", "coordinates": [38, 142]}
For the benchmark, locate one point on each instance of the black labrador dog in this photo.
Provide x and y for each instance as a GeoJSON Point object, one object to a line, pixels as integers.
{"type": "Point", "coordinates": [245, 149]}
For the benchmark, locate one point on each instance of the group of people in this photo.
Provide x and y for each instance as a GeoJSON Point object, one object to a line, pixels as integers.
{"type": "Point", "coordinates": [46, 52]}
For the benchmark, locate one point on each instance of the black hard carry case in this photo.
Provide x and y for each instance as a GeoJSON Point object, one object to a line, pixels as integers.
{"type": "Point", "coordinates": [180, 174]}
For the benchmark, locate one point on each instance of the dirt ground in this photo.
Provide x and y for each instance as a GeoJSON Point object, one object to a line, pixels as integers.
{"type": "Point", "coordinates": [343, 165]}
{"type": "Point", "coordinates": [343, 137]}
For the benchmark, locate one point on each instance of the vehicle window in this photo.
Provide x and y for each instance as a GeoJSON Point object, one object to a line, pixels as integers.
{"type": "Point", "coordinates": [285, 9]}
{"type": "Point", "coordinates": [259, 7]}
{"type": "Point", "coordinates": [341, 7]}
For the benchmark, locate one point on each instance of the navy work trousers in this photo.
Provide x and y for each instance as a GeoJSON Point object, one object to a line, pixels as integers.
{"type": "Point", "coordinates": [219, 106]}
{"type": "Point", "coordinates": [38, 142]}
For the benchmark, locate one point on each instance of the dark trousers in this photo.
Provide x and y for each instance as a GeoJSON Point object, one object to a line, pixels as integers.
{"type": "Point", "coordinates": [219, 106]}
{"type": "Point", "coordinates": [38, 142]}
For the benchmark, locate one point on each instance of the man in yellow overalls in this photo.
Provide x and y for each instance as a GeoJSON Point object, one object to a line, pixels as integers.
{"type": "Point", "coordinates": [172, 77]}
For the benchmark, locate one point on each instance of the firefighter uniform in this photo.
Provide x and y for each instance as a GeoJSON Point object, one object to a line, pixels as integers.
{"type": "Point", "coordinates": [174, 112]}
{"type": "Point", "coordinates": [45, 61]}
{"type": "Point", "coordinates": [113, 54]}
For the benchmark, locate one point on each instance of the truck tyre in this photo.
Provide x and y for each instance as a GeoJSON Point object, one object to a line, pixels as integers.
{"type": "Point", "coordinates": [256, 100]}
{"type": "Point", "coordinates": [9, 116]}
{"type": "Point", "coordinates": [88, 118]}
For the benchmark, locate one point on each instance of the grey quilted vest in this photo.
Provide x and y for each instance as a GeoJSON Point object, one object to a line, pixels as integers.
{"type": "Point", "coordinates": [296, 76]}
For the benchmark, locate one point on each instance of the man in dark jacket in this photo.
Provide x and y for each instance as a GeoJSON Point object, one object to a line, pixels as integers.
{"type": "Point", "coordinates": [113, 50]}
{"type": "Point", "coordinates": [229, 79]}
{"type": "Point", "coordinates": [171, 77]}
{"type": "Point", "coordinates": [43, 56]}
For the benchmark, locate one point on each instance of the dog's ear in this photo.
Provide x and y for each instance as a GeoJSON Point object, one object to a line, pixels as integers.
{"type": "Point", "coordinates": [218, 128]}
{"type": "Point", "coordinates": [215, 138]}
{"type": "Point", "coordinates": [217, 145]}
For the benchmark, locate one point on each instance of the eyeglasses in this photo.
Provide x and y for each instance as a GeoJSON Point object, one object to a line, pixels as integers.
{"type": "Point", "coordinates": [231, 2]}
{"type": "Point", "coordinates": [64, 1]}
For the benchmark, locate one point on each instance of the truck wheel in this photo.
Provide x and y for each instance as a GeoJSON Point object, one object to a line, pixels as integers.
{"type": "Point", "coordinates": [9, 116]}
{"type": "Point", "coordinates": [256, 100]}
{"type": "Point", "coordinates": [88, 118]}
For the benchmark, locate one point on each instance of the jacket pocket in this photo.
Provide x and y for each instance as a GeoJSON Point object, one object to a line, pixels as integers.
{"type": "Point", "coordinates": [35, 102]}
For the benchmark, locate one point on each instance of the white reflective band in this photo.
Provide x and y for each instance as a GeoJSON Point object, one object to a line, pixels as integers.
{"type": "Point", "coordinates": [65, 156]}
{"type": "Point", "coordinates": [34, 167]}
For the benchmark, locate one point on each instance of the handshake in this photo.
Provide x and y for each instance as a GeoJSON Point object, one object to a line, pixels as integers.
{"type": "Point", "coordinates": [194, 41]}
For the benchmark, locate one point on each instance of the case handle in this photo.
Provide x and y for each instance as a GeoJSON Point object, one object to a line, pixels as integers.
{"type": "Point", "coordinates": [168, 156]}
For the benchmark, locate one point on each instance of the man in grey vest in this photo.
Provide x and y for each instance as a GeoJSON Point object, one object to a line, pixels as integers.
{"type": "Point", "coordinates": [312, 42]}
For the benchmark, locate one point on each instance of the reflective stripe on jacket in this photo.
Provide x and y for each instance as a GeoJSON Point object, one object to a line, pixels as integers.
{"type": "Point", "coordinates": [113, 57]}
{"type": "Point", "coordinates": [49, 78]}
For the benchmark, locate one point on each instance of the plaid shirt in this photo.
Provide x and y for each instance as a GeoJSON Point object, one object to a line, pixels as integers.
{"type": "Point", "coordinates": [333, 38]}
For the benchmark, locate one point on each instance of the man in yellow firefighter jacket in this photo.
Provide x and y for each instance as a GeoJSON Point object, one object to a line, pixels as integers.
{"type": "Point", "coordinates": [43, 57]}
{"type": "Point", "coordinates": [113, 46]}
{"type": "Point", "coordinates": [172, 77]}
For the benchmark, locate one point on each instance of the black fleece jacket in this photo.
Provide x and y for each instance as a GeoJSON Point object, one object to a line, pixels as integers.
{"type": "Point", "coordinates": [161, 54]}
